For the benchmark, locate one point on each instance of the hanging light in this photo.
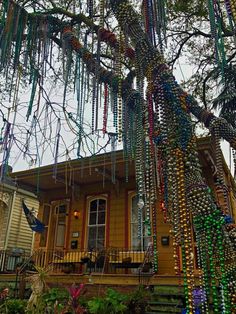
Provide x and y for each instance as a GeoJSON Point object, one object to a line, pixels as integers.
{"type": "Point", "coordinates": [76, 214]}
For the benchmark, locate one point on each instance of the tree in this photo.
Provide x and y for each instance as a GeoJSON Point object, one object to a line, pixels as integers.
{"type": "Point", "coordinates": [114, 57]}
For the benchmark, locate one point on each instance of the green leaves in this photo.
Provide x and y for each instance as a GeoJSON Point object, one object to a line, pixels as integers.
{"type": "Point", "coordinates": [197, 8]}
{"type": "Point", "coordinates": [14, 306]}
{"type": "Point", "coordinates": [112, 303]}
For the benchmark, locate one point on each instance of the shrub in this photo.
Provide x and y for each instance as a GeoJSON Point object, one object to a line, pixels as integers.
{"type": "Point", "coordinates": [112, 303]}
{"type": "Point", "coordinates": [138, 300]}
{"type": "Point", "coordinates": [55, 299]}
{"type": "Point", "coordinates": [14, 306]}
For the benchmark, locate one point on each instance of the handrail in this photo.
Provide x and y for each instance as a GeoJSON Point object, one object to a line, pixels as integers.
{"type": "Point", "coordinates": [147, 261]}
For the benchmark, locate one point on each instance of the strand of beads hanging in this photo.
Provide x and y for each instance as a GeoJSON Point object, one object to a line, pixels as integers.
{"type": "Point", "coordinates": [154, 13]}
{"type": "Point", "coordinates": [216, 22]}
{"type": "Point", "coordinates": [187, 251]}
{"type": "Point", "coordinates": [231, 18]}
{"type": "Point", "coordinates": [219, 223]}
{"type": "Point", "coordinates": [231, 6]}
{"type": "Point", "coordinates": [119, 72]}
{"type": "Point", "coordinates": [6, 151]}
{"type": "Point", "coordinates": [208, 224]}
{"type": "Point", "coordinates": [147, 176]}
{"type": "Point", "coordinates": [56, 148]}
{"type": "Point", "coordinates": [148, 13]}
{"type": "Point", "coordinates": [234, 160]}
{"type": "Point", "coordinates": [105, 109]}
{"type": "Point", "coordinates": [220, 184]}
{"type": "Point", "coordinates": [152, 224]}
{"type": "Point", "coordinates": [90, 8]}
{"type": "Point", "coordinates": [102, 13]}
{"type": "Point", "coordinates": [139, 141]}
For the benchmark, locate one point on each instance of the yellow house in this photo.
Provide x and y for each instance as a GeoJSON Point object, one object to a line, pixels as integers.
{"type": "Point", "coordinates": [89, 208]}
{"type": "Point", "coordinates": [16, 237]}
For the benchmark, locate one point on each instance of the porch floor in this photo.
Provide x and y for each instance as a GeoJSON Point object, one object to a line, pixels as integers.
{"type": "Point", "coordinates": [106, 279]}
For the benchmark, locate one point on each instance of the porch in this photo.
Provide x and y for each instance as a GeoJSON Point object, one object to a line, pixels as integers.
{"type": "Point", "coordinates": [111, 266]}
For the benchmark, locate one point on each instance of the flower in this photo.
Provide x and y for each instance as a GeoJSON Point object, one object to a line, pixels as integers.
{"type": "Point", "coordinates": [75, 291]}
{"type": "Point", "coordinates": [4, 293]}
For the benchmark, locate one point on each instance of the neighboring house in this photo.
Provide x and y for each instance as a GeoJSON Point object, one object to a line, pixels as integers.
{"type": "Point", "coordinates": [88, 206]}
{"type": "Point", "coordinates": [16, 237]}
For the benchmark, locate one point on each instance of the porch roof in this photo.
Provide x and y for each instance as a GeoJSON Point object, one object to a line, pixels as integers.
{"type": "Point", "coordinates": [78, 172]}
{"type": "Point", "coordinates": [95, 169]}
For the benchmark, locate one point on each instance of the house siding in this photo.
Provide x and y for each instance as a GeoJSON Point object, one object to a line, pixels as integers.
{"type": "Point", "coordinates": [20, 234]}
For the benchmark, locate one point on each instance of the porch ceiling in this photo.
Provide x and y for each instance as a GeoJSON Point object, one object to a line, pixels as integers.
{"type": "Point", "coordinates": [93, 170]}
{"type": "Point", "coordinates": [81, 172]}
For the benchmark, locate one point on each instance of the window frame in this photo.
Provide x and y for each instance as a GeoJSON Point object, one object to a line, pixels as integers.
{"type": "Point", "coordinates": [88, 225]}
{"type": "Point", "coordinates": [58, 216]}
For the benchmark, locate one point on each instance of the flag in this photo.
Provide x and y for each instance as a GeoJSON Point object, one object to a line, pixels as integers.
{"type": "Point", "coordinates": [35, 224]}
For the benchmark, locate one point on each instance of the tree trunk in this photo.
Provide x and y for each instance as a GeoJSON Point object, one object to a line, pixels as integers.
{"type": "Point", "coordinates": [188, 190]}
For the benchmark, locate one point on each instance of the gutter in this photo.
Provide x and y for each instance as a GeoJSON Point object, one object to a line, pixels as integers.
{"type": "Point", "coordinates": [19, 190]}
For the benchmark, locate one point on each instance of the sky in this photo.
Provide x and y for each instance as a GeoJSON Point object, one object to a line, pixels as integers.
{"type": "Point", "coordinates": [20, 162]}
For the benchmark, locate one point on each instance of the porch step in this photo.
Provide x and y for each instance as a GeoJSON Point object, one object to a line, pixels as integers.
{"type": "Point", "coordinates": [166, 299]}
{"type": "Point", "coordinates": [163, 308]}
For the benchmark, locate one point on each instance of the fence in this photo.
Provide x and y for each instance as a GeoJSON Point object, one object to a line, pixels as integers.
{"type": "Point", "coordinates": [10, 260]}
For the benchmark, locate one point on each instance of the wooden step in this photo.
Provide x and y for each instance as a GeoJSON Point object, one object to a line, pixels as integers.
{"type": "Point", "coordinates": [177, 303]}
{"type": "Point", "coordinates": [163, 309]}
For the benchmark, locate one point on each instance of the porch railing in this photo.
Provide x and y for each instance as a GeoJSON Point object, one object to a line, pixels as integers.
{"type": "Point", "coordinates": [107, 260]}
{"type": "Point", "coordinates": [11, 259]}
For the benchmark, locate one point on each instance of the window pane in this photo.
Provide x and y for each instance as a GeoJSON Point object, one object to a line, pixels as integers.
{"type": "Point", "coordinates": [61, 209]}
{"type": "Point", "coordinates": [101, 218]}
{"type": "Point", "coordinates": [134, 217]}
{"type": "Point", "coordinates": [92, 219]}
{"type": "Point", "coordinates": [146, 241]}
{"type": "Point", "coordinates": [100, 243]}
{"type": "Point", "coordinates": [93, 206]}
{"type": "Point", "coordinates": [102, 205]}
{"type": "Point", "coordinates": [91, 244]}
{"type": "Point", "coordinates": [134, 230]}
{"type": "Point", "coordinates": [134, 209]}
{"type": "Point", "coordinates": [101, 232]}
{"type": "Point", "coordinates": [92, 237]}
{"type": "Point", "coordinates": [136, 244]}
{"type": "Point", "coordinates": [60, 239]}
{"type": "Point", "coordinates": [92, 232]}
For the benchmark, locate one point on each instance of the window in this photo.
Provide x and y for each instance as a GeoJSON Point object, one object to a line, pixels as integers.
{"type": "Point", "coordinates": [45, 220]}
{"type": "Point", "coordinates": [96, 223]}
{"type": "Point", "coordinates": [137, 243]}
{"type": "Point", "coordinates": [60, 212]}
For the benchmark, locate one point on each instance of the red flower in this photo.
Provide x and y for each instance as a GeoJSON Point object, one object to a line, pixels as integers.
{"type": "Point", "coordinates": [75, 291]}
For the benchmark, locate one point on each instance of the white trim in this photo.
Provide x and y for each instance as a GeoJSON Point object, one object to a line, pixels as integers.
{"type": "Point", "coordinates": [9, 220]}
